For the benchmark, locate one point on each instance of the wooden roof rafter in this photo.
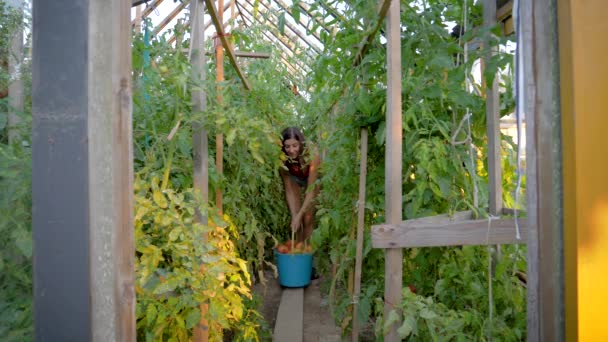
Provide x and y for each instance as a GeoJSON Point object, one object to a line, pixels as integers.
{"type": "Point", "coordinates": [287, 42]}
{"type": "Point", "coordinates": [282, 5]}
{"type": "Point", "coordinates": [224, 39]}
{"type": "Point", "coordinates": [269, 13]}
{"type": "Point", "coordinates": [309, 13]}
{"type": "Point", "coordinates": [285, 48]}
{"type": "Point", "coordinates": [207, 25]}
{"type": "Point", "coordinates": [149, 8]}
{"type": "Point", "coordinates": [169, 17]}
{"type": "Point", "coordinates": [269, 10]}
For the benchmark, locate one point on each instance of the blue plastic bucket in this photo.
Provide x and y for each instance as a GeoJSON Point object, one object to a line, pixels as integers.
{"type": "Point", "coordinates": [294, 269]}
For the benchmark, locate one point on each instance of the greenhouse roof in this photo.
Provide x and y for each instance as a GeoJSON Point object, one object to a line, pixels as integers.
{"type": "Point", "coordinates": [294, 27]}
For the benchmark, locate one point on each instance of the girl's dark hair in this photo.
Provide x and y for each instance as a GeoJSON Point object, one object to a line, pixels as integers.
{"type": "Point", "coordinates": [293, 133]}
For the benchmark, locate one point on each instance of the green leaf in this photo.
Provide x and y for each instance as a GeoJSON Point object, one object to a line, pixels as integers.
{"type": "Point", "coordinates": [281, 23]}
{"type": "Point", "coordinates": [409, 324]}
{"type": "Point", "coordinates": [151, 314]}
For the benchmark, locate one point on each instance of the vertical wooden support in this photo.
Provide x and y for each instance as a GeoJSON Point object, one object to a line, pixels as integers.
{"type": "Point", "coordinates": [360, 228]}
{"type": "Point", "coordinates": [200, 140]}
{"type": "Point", "coordinates": [219, 138]}
{"type": "Point", "coordinates": [138, 19]}
{"type": "Point", "coordinates": [393, 171]}
{"type": "Point", "coordinates": [82, 217]}
{"type": "Point", "coordinates": [544, 173]}
{"type": "Point", "coordinates": [15, 88]}
{"type": "Point", "coordinates": [492, 119]}
{"type": "Point", "coordinates": [583, 73]}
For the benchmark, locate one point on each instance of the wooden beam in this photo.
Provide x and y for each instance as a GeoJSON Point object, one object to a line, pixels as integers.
{"type": "Point", "coordinates": [451, 233]}
{"type": "Point", "coordinates": [200, 137]}
{"type": "Point", "coordinates": [492, 118]}
{"type": "Point", "coordinates": [290, 317]}
{"type": "Point", "coordinates": [169, 17]}
{"type": "Point", "coordinates": [393, 272]}
{"type": "Point", "coordinates": [504, 11]}
{"type": "Point", "coordinates": [222, 35]}
{"type": "Point", "coordinates": [81, 111]}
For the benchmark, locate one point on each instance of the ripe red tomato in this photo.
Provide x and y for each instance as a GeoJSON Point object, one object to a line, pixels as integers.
{"type": "Point", "coordinates": [282, 249]}
{"type": "Point", "coordinates": [412, 288]}
{"type": "Point", "coordinates": [290, 244]}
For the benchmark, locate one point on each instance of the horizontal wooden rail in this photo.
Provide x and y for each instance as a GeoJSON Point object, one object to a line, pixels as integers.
{"type": "Point", "coordinates": [443, 230]}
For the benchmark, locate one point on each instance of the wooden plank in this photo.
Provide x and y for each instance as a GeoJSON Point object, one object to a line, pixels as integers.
{"type": "Point", "coordinates": [457, 233]}
{"type": "Point", "coordinates": [360, 228]}
{"type": "Point", "coordinates": [393, 272]}
{"type": "Point", "coordinates": [529, 92]}
{"type": "Point", "coordinates": [200, 140]}
{"type": "Point", "coordinates": [492, 119]}
{"type": "Point", "coordinates": [504, 11]}
{"type": "Point", "coordinates": [288, 326]}
{"type": "Point", "coordinates": [222, 35]}
{"type": "Point", "coordinates": [547, 169]}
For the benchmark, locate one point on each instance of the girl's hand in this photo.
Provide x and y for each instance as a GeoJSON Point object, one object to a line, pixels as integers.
{"type": "Point", "coordinates": [296, 223]}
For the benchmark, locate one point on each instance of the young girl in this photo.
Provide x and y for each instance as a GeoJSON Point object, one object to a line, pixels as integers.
{"type": "Point", "coordinates": [300, 172]}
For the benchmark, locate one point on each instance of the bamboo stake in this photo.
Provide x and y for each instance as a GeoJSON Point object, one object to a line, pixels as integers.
{"type": "Point", "coordinates": [360, 228]}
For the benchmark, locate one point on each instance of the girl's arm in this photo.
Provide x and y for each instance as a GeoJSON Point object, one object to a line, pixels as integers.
{"type": "Point", "coordinates": [290, 195]}
{"type": "Point", "coordinates": [311, 191]}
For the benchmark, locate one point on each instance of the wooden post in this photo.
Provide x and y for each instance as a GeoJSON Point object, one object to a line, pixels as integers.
{"type": "Point", "coordinates": [360, 229]}
{"type": "Point", "coordinates": [544, 173]}
{"type": "Point", "coordinates": [138, 19]}
{"type": "Point", "coordinates": [83, 213]}
{"type": "Point", "coordinates": [393, 171]}
{"type": "Point", "coordinates": [492, 119]}
{"type": "Point", "coordinates": [15, 88]}
{"type": "Point", "coordinates": [219, 138]}
{"type": "Point", "coordinates": [200, 141]}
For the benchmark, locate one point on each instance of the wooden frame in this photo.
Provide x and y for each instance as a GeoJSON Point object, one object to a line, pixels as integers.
{"type": "Point", "coordinates": [444, 230]}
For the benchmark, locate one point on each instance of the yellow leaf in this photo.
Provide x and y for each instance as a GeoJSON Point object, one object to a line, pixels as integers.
{"type": "Point", "coordinates": [159, 199]}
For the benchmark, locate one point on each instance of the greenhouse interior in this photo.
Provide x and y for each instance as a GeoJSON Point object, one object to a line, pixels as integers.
{"type": "Point", "coordinates": [303, 170]}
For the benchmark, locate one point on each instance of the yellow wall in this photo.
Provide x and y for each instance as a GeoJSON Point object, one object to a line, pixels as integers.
{"type": "Point", "coordinates": [583, 42]}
